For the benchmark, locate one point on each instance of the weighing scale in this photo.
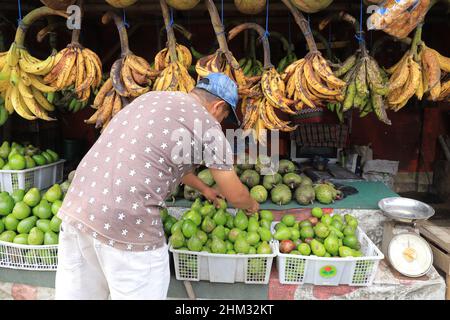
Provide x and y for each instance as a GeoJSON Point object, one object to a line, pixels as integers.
{"type": "Point", "coordinates": [407, 252]}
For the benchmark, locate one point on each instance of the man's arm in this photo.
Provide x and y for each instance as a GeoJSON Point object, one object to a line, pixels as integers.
{"type": "Point", "coordinates": [193, 181]}
{"type": "Point", "coordinates": [234, 191]}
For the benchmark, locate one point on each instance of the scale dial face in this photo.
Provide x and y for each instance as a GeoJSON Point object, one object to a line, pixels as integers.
{"type": "Point", "coordinates": [410, 254]}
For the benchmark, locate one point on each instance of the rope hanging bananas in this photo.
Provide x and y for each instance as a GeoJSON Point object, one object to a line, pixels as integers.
{"type": "Point", "coordinates": [173, 62]}
{"type": "Point", "coordinates": [21, 82]}
{"type": "Point", "coordinates": [266, 96]}
{"type": "Point", "coordinates": [130, 76]}
{"type": "Point", "coordinates": [366, 82]}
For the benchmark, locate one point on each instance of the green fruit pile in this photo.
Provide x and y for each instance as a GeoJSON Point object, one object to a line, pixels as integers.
{"type": "Point", "coordinates": [29, 218]}
{"type": "Point", "coordinates": [321, 235]}
{"type": "Point", "coordinates": [18, 157]}
{"type": "Point", "coordinates": [205, 228]}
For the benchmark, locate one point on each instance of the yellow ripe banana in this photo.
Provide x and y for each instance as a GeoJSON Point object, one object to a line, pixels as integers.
{"type": "Point", "coordinates": [35, 108]}
{"type": "Point", "coordinates": [400, 76]}
{"type": "Point", "coordinates": [106, 110]}
{"type": "Point", "coordinates": [132, 87]}
{"type": "Point", "coordinates": [24, 90]}
{"type": "Point", "coordinates": [98, 101]}
{"type": "Point", "coordinates": [321, 67]}
{"type": "Point", "coordinates": [411, 85]}
{"type": "Point", "coordinates": [420, 88]}
{"type": "Point", "coordinates": [39, 67]}
{"type": "Point", "coordinates": [69, 64]}
{"type": "Point", "coordinates": [139, 65]}
{"type": "Point", "coordinates": [273, 89]}
{"type": "Point", "coordinates": [19, 106]}
{"type": "Point", "coordinates": [314, 82]}
{"type": "Point", "coordinates": [299, 87]}
{"type": "Point", "coordinates": [80, 73]}
{"type": "Point", "coordinates": [58, 67]}
{"type": "Point", "coordinates": [395, 67]}
{"type": "Point", "coordinates": [36, 82]}
{"type": "Point", "coordinates": [12, 59]}
{"type": "Point", "coordinates": [96, 63]}
{"type": "Point", "coordinates": [8, 103]}
{"type": "Point", "coordinates": [93, 118]}
{"type": "Point", "coordinates": [43, 102]}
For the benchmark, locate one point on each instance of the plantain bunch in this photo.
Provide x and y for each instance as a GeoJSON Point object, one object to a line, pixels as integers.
{"type": "Point", "coordinates": [311, 82]}
{"type": "Point", "coordinates": [220, 62]}
{"type": "Point", "coordinates": [21, 83]}
{"type": "Point", "coordinates": [418, 73]}
{"type": "Point", "coordinates": [162, 58]}
{"type": "Point", "coordinates": [366, 87]}
{"type": "Point", "coordinates": [259, 109]}
{"type": "Point", "coordinates": [77, 69]}
{"type": "Point", "coordinates": [174, 74]}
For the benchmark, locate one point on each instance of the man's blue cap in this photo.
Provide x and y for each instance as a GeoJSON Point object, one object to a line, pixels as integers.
{"type": "Point", "coordinates": [224, 88]}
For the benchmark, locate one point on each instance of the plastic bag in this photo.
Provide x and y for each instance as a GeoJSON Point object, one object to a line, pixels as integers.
{"type": "Point", "coordinates": [399, 17]}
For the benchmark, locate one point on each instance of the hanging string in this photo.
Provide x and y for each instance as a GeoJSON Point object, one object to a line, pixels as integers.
{"type": "Point", "coordinates": [19, 5]}
{"type": "Point", "coordinates": [266, 33]}
{"type": "Point", "coordinates": [125, 23]}
{"type": "Point", "coordinates": [359, 36]}
{"type": "Point", "coordinates": [329, 35]}
{"type": "Point", "coordinates": [171, 22]}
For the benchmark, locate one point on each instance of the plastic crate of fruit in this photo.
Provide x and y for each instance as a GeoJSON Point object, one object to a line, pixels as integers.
{"type": "Point", "coordinates": [41, 177]}
{"type": "Point", "coordinates": [331, 271]}
{"type": "Point", "coordinates": [224, 268]}
{"type": "Point", "coordinates": [27, 257]}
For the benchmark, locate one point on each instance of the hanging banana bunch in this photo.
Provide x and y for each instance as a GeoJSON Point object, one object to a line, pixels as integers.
{"type": "Point", "coordinates": [130, 77]}
{"type": "Point", "coordinates": [78, 73]}
{"type": "Point", "coordinates": [21, 82]}
{"type": "Point", "coordinates": [310, 81]}
{"type": "Point", "coordinates": [222, 60]}
{"type": "Point", "coordinates": [267, 95]}
{"type": "Point", "coordinates": [418, 73]}
{"type": "Point", "coordinates": [173, 62]}
{"type": "Point", "coordinates": [366, 82]}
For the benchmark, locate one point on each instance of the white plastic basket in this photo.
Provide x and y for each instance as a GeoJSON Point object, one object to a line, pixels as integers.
{"type": "Point", "coordinates": [353, 271]}
{"type": "Point", "coordinates": [224, 268]}
{"type": "Point", "coordinates": [27, 257]}
{"type": "Point", "coordinates": [41, 177]}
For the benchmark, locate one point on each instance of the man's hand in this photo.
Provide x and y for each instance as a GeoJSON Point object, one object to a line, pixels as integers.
{"type": "Point", "coordinates": [253, 209]}
{"type": "Point", "coordinates": [211, 195]}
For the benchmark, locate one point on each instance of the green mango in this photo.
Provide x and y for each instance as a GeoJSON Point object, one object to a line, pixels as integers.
{"type": "Point", "coordinates": [35, 237]}
{"type": "Point", "coordinates": [53, 154]}
{"type": "Point", "coordinates": [241, 245]}
{"type": "Point", "coordinates": [266, 215]}
{"type": "Point", "coordinates": [282, 234]}
{"type": "Point", "coordinates": [253, 238]}
{"type": "Point", "coordinates": [295, 234]}
{"type": "Point", "coordinates": [264, 248]}
{"type": "Point", "coordinates": [43, 210]}
{"type": "Point", "coordinates": [18, 195]}
{"type": "Point", "coordinates": [21, 239]}
{"type": "Point", "coordinates": [50, 238]}
{"type": "Point", "coordinates": [220, 217]}
{"type": "Point", "coordinates": [230, 221]}
{"type": "Point", "coordinates": [331, 244]}
{"type": "Point", "coordinates": [241, 220]}
{"type": "Point", "coordinates": [48, 157]}
{"type": "Point", "coordinates": [194, 244]}
{"type": "Point", "coordinates": [6, 204]}
{"type": "Point", "coordinates": [253, 224]}
{"type": "Point", "coordinates": [43, 225]}
{"type": "Point", "coordinates": [219, 232]}
{"type": "Point", "coordinates": [29, 162]}
{"type": "Point", "coordinates": [208, 225]}
{"type": "Point", "coordinates": [194, 216]}
{"type": "Point", "coordinates": [266, 224]}
{"type": "Point", "coordinates": [234, 234]}
{"type": "Point", "coordinates": [208, 210]}
{"type": "Point", "coordinates": [317, 248]}
{"type": "Point", "coordinates": [218, 246]}
{"type": "Point", "coordinates": [5, 149]}
{"type": "Point", "coordinates": [345, 252]}
{"type": "Point", "coordinates": [39, 159]}
{"type": "Point", "coordinates": [177, 239]}
{"type": "Point", "coordinates": [54, 193]}
{"type": "Point", "coordinates": [189, 228]}
{"type": "Point", "coordinates": [8, 236]}
{"type": "Point", "coordinates": [265, 234]}
{"type": "Point", "coordinates": [27, 224]}
{"type": "Point", "coordinates": [197, 205]}
{"type": "Point", "coordinates": [32, 197]}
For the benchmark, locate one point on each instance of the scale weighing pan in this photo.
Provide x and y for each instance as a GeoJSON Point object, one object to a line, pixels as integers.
{"type": "Point", "coordinates": [405, 209]}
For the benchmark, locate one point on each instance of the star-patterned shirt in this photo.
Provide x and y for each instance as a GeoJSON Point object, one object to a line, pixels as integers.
{"type": "Point", "coordinates": [140, 158]}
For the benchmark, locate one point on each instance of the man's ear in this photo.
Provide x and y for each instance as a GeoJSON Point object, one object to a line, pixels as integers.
{"type": "Point", "coordinates": [218, 106]}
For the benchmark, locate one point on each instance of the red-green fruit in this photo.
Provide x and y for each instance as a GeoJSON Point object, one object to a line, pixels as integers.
{"type": "Point", "coordinates": [241, 245]}
{"type": "Point", "coordinates": [326, 219]}
{"type": "Point", "coordinates": [264, 248]}
{"type": "Point", "coordinates": [304, 249]}
{"type": "Point", "coordinates": [21, 210]}
{"type": "Point", "coordinates": [202, 236]}
{"type": "Point", "coordinates": [17, 162]}
{"type": "Point", "coordinates": [194, 244]}
{"type": "Point", "coordinates": [234, 234]}
{"type": "Point", "coordinates": [218, 246]}
{"type": "Point", "coordinates": [321, 230]}
{"type": "Point", "coordinates": [177, 240]}
{"type": "Point", "coordinates": [208, 225]}
{"type": "Point", "coordinates": [219, 232]}
{"type": "Point", "coordinates": [307, 232]}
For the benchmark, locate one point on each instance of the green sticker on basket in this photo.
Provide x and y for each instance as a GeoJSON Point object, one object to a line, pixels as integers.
{"type": "Point", "coordinates": [328, 271]}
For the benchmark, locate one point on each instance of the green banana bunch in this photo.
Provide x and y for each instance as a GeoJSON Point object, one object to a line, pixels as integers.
{"type": "Point", "coordinates": [251, 67]}
{"type": "Point", "coordinates": [286, 61]}
{"type": "Point", "coordinates": [366, 87]}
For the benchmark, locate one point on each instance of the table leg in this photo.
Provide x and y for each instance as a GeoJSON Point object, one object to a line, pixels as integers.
{"type": "Point", "coordinates": [189, 290]}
